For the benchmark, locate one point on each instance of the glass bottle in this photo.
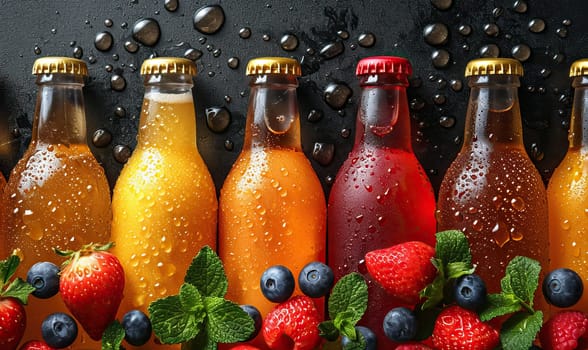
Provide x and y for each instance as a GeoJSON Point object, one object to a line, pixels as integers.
{"type": "Point", "coordinates": [57, 195]}
{"type": "Point", "coordinates": [567, 192]}
{"type": "Point", "coordinates": [272, 206]}
{"type": "Point", "coordinates": [381, 195]}
{"type": "Point", "coordinates": [164, 201]}
{"type": "Point", "coordinates": [492, 191]}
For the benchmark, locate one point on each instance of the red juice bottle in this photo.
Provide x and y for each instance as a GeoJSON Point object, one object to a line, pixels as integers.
{"type": "Point", "coordinates": [381, 195]}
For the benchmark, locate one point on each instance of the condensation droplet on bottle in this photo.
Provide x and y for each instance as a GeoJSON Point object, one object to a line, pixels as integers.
{"type": "Point", "coordinates": [567, 22]}
{"type": "Point", "coordinates": [171, 5]}
{"type": "Point", "coordinates": [519, 6]}
{"type": "Point", "coordinates": [217, 118]}
{"type": "Point", "coordinates": [37, 50]}
{"type": "Point", "coordinates": [343, 34]}
{"type": "Point", "coordinates": [101, 138]}
{"type": "Point", "coordinates": [202, 40]}
{"type": "Point", "coordinates": [336, 95]}
{"type": "Point", "coordinates": [266, 37]}
{"type": "Point", "coordinates": [565, 224]}
{"type": "Point", "coordinates": [103, 41]}
{"type": "Point", "coordinates": [518, 203]}
{"type": "Point", "coordinates": [323, 153]}
{"type": "Point", "coordinates": [332, 50]}
{"type": "Point", "coordinates": [288, 42]}
{"type": "Point", "coordinates": [500, 234]}
{"type": "Point", "coordinates": [490, 50]}
{"type": "Point", "coordinates": [456, 85]}
{"type": "Point", "coordinates": [131, 46]}
{"type": "Point", "coordinates": [120, 112]}
{"type": "Point", "coordinates": [477, 225]}
{"type": "Point", "coordinates": [536, 25]}
{"type": "Point", "coordinates": [545, 72]}
{"type": "Point", "coordinates": [245, 33]}
{"type": "Point", "coordinates": [447, 121]}
{"type": "Point", "coordinates": [314, 115]}
{"type": "Point", "coordinates": [562, 32]}
{"type": "Point", "coordinates": [229, 145]}
{"type": "Point", "coordinates": [209, 19]}
{"type": "Point", "coordinates": [233, 62]}
{"type": "Point", "coordinates": [108, 23]}
{"type": "Point", "coordinates": [216, 52]}
{"type": "Point", "coordinates": [121, 153]}
{"type": "Point", "coordinates": [440, 58]}
{"type": "Point", "coordinates": [366, 40]}
{"type": "Point", "coordinates": [497, 12]}
{"type": "Point", "coordinates": [439, 99]}
{"type": "Point", "coordinates": [464, 29]}
{"type": "Point", "coordinates": [146, 31]}
{"type": "Point", "coordinates": [442, 4]}
{"type": "Point", "coordinates": [521, 52]}
{"type": "Point", "coordinates": [345, 133]}
{"type": "Point", "coordinates": [118, 83]}
{"type": "Point", "coordinates": [192, 54]}
{"type": "Point", "coordinates": [78, 52]}
{"type": "Point", "coordinates": [436, 34]}
{"type": "Point", "coordinates": [491, 29]}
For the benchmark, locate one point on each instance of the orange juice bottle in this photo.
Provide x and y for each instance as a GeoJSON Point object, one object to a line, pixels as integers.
{"type": "Point", "coordinates": [272, 206]}
{"type": "Point", "coordinates": [492, 191]}
{"type": "Point", "coordinates": [57, 195]}
{"type": "Point", "coordinates": [567, 193]}
{"type": "Point", "coordinates": [164, 201]}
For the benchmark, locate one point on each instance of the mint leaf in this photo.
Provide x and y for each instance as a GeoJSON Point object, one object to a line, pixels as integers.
{"type": "Point", "coordinates": [172, 323]}
{"type": "Point", "coordinates": [459, 268]}
{"type": "Point", "coordinates": [328, 330]}
{"type": "Point", "coordinates": [357, 344]}
{"type": "Point", "coordinates": [505, 285]}
{"type": "Point", "coordinates": [113, 336]}
{"type": "Point", "coordinates": [499, 305]}
{"type": "Point", "coordinates": [19, 289]}
{"type": "Point", "coordinates": [345, 324]}
{"type": "Point", "coordinates": [226, 321]}
{"type": "Point", "coordinates": [434, 291]}
{"type": "Point", "coordinates": [519, 331]}
{"type": "Point", "coordinates": [349, 294]}
{"type": "Point", "coordinates": [201, 342]}
{"type": "Point", "coordinates": [190, 298]}
{"type": "Point", "coordinates": [452, 246]}
{"type": "Point", "coordinates": [524, 277]}
{"type": "Point", "coordinates": [206, 272]}
{"type": "Point", "coordinates": [8, 268]}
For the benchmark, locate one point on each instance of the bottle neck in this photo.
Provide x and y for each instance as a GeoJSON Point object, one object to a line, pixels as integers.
{"type": "Point", "coordinates": [59, 113]}
{"type": "Point", "coordinates": [273, 120]}
{"type": "Point", "coordinates": [168, 119]}
{"type": "Point", "coordinates": [578, 136]}
{"type": "Point", "coordinates": [493, 114]}
{"type": "Point", "coordinates": [383, 116]}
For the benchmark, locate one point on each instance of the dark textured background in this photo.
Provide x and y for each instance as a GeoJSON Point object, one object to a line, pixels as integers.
{"type": "Point", "coordinates": [58, 27]}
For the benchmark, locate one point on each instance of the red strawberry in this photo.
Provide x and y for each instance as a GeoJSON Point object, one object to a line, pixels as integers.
{"type": "Point", "coordinates": [292, 324]}
{"type": "Point", "coordinates": [12, 323]}
{"type": "Point", "coordinates": [35, 345]}
{"type": "Point", "coordinates": [403, 270]}
{"type": "Point", "coordinates": [415, 346]}
{"type": "Point", "coordinates": [565, 330]}
{"type": "Point", "coordinates": [244, 347]}
{"type": "Point", "coordinates": [91, 286]}
{"type": "Point", "coordinates": [459, 329]}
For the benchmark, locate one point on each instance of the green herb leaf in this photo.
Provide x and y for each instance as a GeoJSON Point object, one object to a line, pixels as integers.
{"type": "Point", "coordinates": [520, 330]}
{"type": "Point", "coordinates": [113, 336]}
{"type": "Point", "coordinates": [452, 246]}
{"type": "Point", "coordinates": [328, 330]}
{"type": "Point", "coordinates": [226, 321]}
{"type": "Point", "coordinates": [505, 285]}
{"type": "Point", "coordinates": [499, 305]}
{"type": "Point", "coordinates": [433, 293]}
{"type": "Point", "coordinates": [172, 323]}
{"type": "Point", "coordinates": [357, 344]}
{"type": "Point", "coordinates": [349, 294]}
{"type": "Point", "coordinates": [8, 268]}
{"type": "Point", "coordinates": [201, 342]}
{"type": "Point", "coordinates": [458, 269]}
{"type": "Point", "coordinates": [206, 272]}
{"type": "Point", "coordinates": [190, 298]}
{"type": "Point", "coordinates": [345, 324]}
{"type": "Point", "coordinates": [18, 289]}
{"type": "Point", "coordinates": [524, 277]}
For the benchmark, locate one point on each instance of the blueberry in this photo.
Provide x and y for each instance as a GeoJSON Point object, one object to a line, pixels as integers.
{"type": "Point", "coordinates": [316, 279]}
{"type": "Point", "coordinates": [277, 283]}
{"type": "Point", "coordinates": [137, 327]}
{"type": "Point", "coordinates": [254, 313]}
{"type": "Point", "coordinates": [562, 287]}
{"type": "Point", "coordinates": [44, 276]}
{"type": "Point", "coordinates": [59, 330]}
{"type": "Point", "coordinates": [368, 335]}
{"type": "Point", "coordinates": [400, 324]}
{"type": "Point", "coordinates": [470, 292]}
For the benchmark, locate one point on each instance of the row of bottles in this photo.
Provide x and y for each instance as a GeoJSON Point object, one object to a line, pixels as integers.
{"type": "Point", "coordinates": [271, 208]}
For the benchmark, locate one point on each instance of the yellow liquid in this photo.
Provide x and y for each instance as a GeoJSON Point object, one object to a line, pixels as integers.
{"type": "Point", "coordinates": [567, 198]}
{"type": "Point", "coordinates": [57, 197]}
{"type": "Point", "coordinates": [164, 205]}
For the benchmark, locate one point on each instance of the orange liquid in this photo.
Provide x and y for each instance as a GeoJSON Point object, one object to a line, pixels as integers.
{"type": "Point", "coordinates": [57, 197]}
{"type": "Point", "coordinates": [164, 205]}
{"type": "Point", "coordinates": [567, 196]}
{"type": "Point", "coordinates": [272, 211]}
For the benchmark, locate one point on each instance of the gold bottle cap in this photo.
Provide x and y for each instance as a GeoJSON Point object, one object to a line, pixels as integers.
{"type": "Point", "coordinates": [63, 65]}
{"type": "Point", "coordinates": [168, 65]}
{"type": "Point", "coordinates": [579, 68]}
{"type": "Point", "coordinates": [273, 65]}
{"type": "Point", "coordinates": [494, 66]}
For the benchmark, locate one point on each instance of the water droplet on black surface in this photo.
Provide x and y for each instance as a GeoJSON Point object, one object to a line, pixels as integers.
{"type": "Point", "coordinates": [171, 5]}
{"type": "Point", "coordinates": [289, 42]}
{"type": "Point", "coordinates": [441, 83]}
{"type": "Point", "coordinates": [118, 82]}
{"type": "Point", "coordinates": [545, 73]}
{"type": "Point", "coordinates": [202, 40]}
{"type": "Point", "coordinates": [53, 31]}
{"type": "Point", "coordinates": [37, 50]}
{"type": "Point", "coordinates": [329, 180]}
{"type": "Point", "coordinates": [366, 40]}
{"type": "Point", "coordinates": [520, 6]}
{"type": "Point", "coordinates": [465, 29]}
{"type": "Point", "coordinates": [233, 62]}
{"type": "Point", "coordinates": [121, 153]}
{"type": "Point", "coordinates": [314, 115]}
{"type": "Point", "coordinates": [266, 37]}
{"type": "Point", "coordinates": [332, 50]}
{"type": "Point", "coordinates": [227, 99]}
{"type": "Point", "coordinates": [244, 33]}
{"type": "Point", "coordinates": [447, 121]}
{"type": "Point", "coordinates": [229, 145]}
{"type": "Point", "coordinates": [541, 90]}
{"type": "Point", "coordinates": [497, 12]}
{"type": "Point", "coordinates": [209, 48]}
{"type": "Point", "coordinates": [101, 138]}
{"type": "Point", "coordinates": [490, 50]}
{"type": "Point", "coordinates": [211, 74]}
{"type": "Point", "coordinates": [72, 43]}
{"type": "Point", "coordinates": [436, 34]}
{"type": "Point", "coordinates": [531, 88]}
{"type": "Point", "coordinates": [440, 58]}
{"type": "Point", "coordinates": [323, 153]}
{"type": "Point", "coordinates": [442, 4]}
{"type": "Point", "coordinates": [217, 118]}
{"type": "Point", "coordinates": [120, 112]}
{"type": "Point", "coordinates": [146, 31]}
{"type": "Point", "coordinates": [115, 57]}
{"type": "Point", "coordinates": [336, 95]}
{"type": "Point", "coordinates": [567, 22]}
{"type": "Point", "coordinates": [521, 52]}
{"type": "Point", "coordinates": [536, 25]}
{"type": "Point", "coordinates": [108, 68]}
{"type": "Point", "coordinates": [216, 52]}
{"type": "Point", "coordinates": [536, 152]}
{"type": "Point", "coordinates": [124, 25]}
{"type": "Point", "coordinates": [439, 99]}
{"type": "Point", "coordinates": [558, 58]}
{"type": "Point", "coordinates": [103, 41]}
{"type": "Point", "coordinates": [352, 46]}
{"type": "Point", "coordinates": [192, 54]}
{"type": "Point", "coordinates": [131, 46]}
{"type": "Point", "coordinates": [92, 59]}
{"type": "Point", "coordinates": [209, 19]}
{"type": "Point", "coordinates": [562, 32]}
{"type": "Point", "coordinates": [345, 133]}
{"type": "Point", "coordinates": [343, 34]}
{"type": "Point", "coordinates": [416, 104]}
{"type": "Point", "coordinates": [108, 23]}
{"type": "Point", "coordinates": [491, 29]}
{"type": "Point", "coordinates": [78, 52]}
{"type": "Point", "coordinates": [456, 85]}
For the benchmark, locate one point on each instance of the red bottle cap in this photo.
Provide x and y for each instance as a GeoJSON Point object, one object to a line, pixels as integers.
{"type": "Point", "coordinates": [383, 64]}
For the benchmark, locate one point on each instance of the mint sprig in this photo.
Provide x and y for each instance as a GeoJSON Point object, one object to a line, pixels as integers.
{"type": "Point", "coordinates": [113, 336]}
{"type": "Point", "coordinates": [10, 286]}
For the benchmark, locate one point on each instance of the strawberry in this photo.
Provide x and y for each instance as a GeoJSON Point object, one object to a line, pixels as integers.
{"type": "Point", "coordinates": [565, 330]}
{"type": "Point", "coordinates": [244, 347]}
{"type": "Point", "coordinates": [459, 329]}
{"type": "Point", "coordinates": [292, 324]}
{"type": "Point", "coordinates": [35, 345]}
{"type": "Point", "coordinates": [91, 286]}
{"type": "Point", "coordinates": [403, 270]}
{"type": "Point", "coordinates": [413, 346]}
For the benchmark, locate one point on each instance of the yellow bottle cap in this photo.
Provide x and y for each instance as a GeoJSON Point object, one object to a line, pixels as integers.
{"type": "Point", "coordinates": [168, 65]}
{"type": "Point", "coordinates": [63, 65]}
{"type": "Point", "coordinates": [273, 65]}
{"type": "Point", "coordinates": [579, 68]}
{"type": "Point", "coordinates": [494, 66]}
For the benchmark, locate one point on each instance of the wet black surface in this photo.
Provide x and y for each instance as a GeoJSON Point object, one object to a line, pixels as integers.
{"type": "Point", "coordinates": [328, 37]}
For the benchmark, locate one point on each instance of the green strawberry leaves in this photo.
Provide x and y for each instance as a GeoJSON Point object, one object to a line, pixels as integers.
{"type": "Point", "coordinates": [10, 286]}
